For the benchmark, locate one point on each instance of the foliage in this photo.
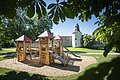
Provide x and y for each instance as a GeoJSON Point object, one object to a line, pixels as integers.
{"type": "Point", "coordinates": [8, 7]}
{"type": "Point", "coordinates": [22, 24]}
{"type": "Point", "coordinates": [38, 26]}
{"type": "Point", "coordinates": [88, 40]}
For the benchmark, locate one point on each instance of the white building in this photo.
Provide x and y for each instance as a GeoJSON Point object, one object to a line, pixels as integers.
{"type": "Point", "coordinates": [74, 40]}
{"type": "Point", "coordinates": [76, 37]}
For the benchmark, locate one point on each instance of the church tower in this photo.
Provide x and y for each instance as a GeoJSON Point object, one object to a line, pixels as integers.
{"type": "Point", "coordinates": [76, 37]}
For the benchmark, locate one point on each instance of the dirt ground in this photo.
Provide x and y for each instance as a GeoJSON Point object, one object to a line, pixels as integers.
{"type": "Point", "coordinates": [55, 69]}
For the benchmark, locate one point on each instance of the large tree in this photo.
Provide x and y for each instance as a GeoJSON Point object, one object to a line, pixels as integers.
{"type": "Point", "coordinates": [22, 24]}
{"type": "Point", "coordinates": [82, 9]}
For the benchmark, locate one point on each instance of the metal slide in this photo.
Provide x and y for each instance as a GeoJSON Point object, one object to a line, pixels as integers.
{"type": "Point", "coordinates": [60, 58]}
{"type": "Point", "coordinates": [71, 52]}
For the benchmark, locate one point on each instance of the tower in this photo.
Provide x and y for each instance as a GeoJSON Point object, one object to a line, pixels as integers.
{"type": "Point", "coordinates": [76, 37]}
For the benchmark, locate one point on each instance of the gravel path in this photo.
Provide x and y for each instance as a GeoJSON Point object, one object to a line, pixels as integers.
{"type": "Point", "coordinates": [53, 69]}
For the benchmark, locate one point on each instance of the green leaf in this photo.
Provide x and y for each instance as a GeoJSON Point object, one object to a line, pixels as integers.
{"type": "Point", "coordinates": [56, 18]}
{"type": "Point", "coordinates": [115, 38]}
{"type": "Point", "coordinates": [39, 11]}
{"type": "Point", "coordinates": [57, 1]}
{"type": "Point", "coordinates": [44, 12]}
{"type": "Point", "coordinates": [30, 11]}
{"type": "Point", "coordinates": [43, 2]}
{"type": "Point", "coordinates": [51, 6]}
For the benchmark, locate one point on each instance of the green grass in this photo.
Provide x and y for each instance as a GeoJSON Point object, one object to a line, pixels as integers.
{"type": "Point", "coordinates": [107, 68]}
{"type": "Point", "coordinates": [7, 50]}
{"type": "Point", "coordinates": [86, 50]}
{"type": "Point", "coordinates": [5, 57]}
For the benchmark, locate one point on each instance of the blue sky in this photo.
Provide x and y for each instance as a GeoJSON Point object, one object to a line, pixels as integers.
{"type": "Point", "coordinates": [66, 28]}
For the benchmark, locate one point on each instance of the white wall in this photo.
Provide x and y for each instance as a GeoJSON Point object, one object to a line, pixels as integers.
{"type": "Point", "coordinates": [76, 39]}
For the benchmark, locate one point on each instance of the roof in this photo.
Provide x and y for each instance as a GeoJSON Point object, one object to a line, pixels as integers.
{"type": "Point", "coordinates": [37, 40]}
{"type": "Point", "coordinates": [46, 34]}
{"type": "Point", "coordinates": [23, 38]}
{"type": "Point", "coordinates": [58, 37]}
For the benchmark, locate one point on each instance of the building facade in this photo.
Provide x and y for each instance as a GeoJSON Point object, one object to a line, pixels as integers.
{"type": "Point", "coordinates": [74, 40]}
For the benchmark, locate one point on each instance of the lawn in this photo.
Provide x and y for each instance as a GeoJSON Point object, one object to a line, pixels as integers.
{"type": "Point", "coordinates": [106, 69]}
{"type": "Point", "coordinates": [86, 50]}
{"type": "Point", "coordinates": [80, 50]}
{"type": "Point", "coordinates": [7, 50]}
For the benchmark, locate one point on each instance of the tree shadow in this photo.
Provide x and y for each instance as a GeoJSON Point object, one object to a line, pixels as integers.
{"type": "Point", "coordinates": [13, 75]}
{"type": "Point", "coordinates": [76, 52]}
{"type": "Point", "coordinates": [104, 71]}
{"type": "Point", "coordinates": [67, 67]}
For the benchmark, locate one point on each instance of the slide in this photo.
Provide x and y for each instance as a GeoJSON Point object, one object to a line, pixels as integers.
{"type": "Point", "coordinates": [71, 52]}
{"type": "Point", "coordinates": [60, 58]}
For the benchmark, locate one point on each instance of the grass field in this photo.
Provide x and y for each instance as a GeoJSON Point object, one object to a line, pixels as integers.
{"type": "Point", "coordinates": [7, 50]}
{"type": "Point", "coordinates": [86, 50]}
{"type": "Point", "coordinates": [79, 50]}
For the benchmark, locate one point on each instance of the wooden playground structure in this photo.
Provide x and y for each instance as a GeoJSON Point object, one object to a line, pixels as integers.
{"type": "Point", "coordinates": [50, 48]}
{"type": "Point", "coordinates": [23, 44]}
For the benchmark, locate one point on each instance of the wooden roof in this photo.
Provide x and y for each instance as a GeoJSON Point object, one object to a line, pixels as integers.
{"type": "Point", "coordinates": [58, 37]}
{"type": "Point", "coordinates": [46, 34]}
{"type": "Point", "coordinates": [37, 40]}
{"type": "Point", "coordinates": [24, 38]}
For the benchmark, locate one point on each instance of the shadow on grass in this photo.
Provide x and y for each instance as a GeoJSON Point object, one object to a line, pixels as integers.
{"type": "Point", "coordinates": [104, 71]}
{"type": "Point", "coordinates": [13, 75]}
{"type": "Point", "coordinates": [8, 53]}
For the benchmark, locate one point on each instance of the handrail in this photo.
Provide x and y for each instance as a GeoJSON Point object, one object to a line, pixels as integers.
{"type": "Point", "coordinates": [72, 52]}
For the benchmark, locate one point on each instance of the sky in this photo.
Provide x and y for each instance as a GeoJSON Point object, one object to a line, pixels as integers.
{"type": "Point", "coordinates": [66, 28]}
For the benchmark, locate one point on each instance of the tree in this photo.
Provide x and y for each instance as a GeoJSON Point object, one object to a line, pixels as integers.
{"type": "Point", "coordinates": [88, 40]}
{"type": "Point", "coordinates": [38, 26]}
{"type": "Point", "coordinates": [82, 9]}
{"type": "Point", "coordinates": [22, 24]}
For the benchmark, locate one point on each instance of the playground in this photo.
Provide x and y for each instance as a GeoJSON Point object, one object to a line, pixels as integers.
{"type": "Point", "coordinates": [49, 49]}
{"type": "Point", "coordinates": [47, 58]}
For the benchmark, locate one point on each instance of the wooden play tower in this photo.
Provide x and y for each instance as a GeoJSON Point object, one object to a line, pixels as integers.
{"type": "Point", "coordinates": [23, 44]}
{"type": "Point", "coordinates": [58, 45]}
{"type": "Point", "coordinates": [46, 44]}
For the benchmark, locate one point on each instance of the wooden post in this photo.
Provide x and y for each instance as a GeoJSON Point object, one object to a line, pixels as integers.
{"type": "Point", "coordinates": [24, 51]}
{"type": "Point", "coordinates": [17, 48]}
{"type": "Point", "coordinates": [40, 55]}
{"type": "Point", "coordinates": [30, 50]}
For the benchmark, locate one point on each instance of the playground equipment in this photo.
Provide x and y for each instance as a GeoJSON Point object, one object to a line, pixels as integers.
{"type": "Point", "coordinates": [58, 50]}
{"type": "Point", "coordinates": [72, 52]}
{"type": "Point", "coordinates": [46, 44]}
{"type": "Point", "coordinates": [49, 49]}
{"type": "Point", "coordinates": [58, 42]}
{"type": "Point", "coordinates": [23, 44]}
